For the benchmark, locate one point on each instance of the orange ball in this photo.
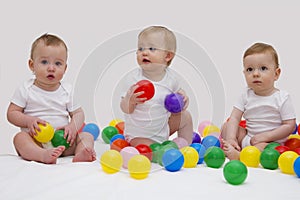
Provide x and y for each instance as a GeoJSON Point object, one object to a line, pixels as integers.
{"type": "Point", "coordinates": [292, 143]}
{"type": "Point", "coordinates": [120, 126]}
{"type": "Point", "coordinates": [119, 144]}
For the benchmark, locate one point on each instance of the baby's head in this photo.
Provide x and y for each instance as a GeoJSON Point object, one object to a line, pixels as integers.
{"type": "Point", "coordinates": [262, 48]}
{"type": "Point", "coordinates": [47, 40]}
{"type": "Point", "coordinates": [158, 37]}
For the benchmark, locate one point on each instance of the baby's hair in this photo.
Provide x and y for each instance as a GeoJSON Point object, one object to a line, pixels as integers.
{"type": "Point", "coordinates": [262, 48]}
{"type": "Point", "coordinates": [48, 40]}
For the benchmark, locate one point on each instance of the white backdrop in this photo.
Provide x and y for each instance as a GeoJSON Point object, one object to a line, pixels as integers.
{"type": "Point", "coordinates": [223, 29]}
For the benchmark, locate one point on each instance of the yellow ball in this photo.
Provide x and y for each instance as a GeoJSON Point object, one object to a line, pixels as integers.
{"type": "Point", "coordinates": [210, 129]}
{"type": "Point", "coordinates": [45, 134]}
{"type": "Point", "coordinates": [294, 136]}
{"type": "Point", "coordinates": [114, 122]}
{"type": "Point", "coordinates": [286, 162]}
{"type": "Point", "coordinates": [111, 161]}
{"type": "Point", "coordinates": [250, 156]}
{"type": "Point", "coordinates": [139, 166]}
{"type": "Point", "coordinates": [191, 157]}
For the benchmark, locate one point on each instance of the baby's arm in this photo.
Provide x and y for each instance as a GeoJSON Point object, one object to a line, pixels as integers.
{"type": "Point", "coordinates": [131, 99]}
{"type": "Point", "coordinates": [283, 131]}
{"type": "Point", "coordinates": [16, 116]}
{"type": "Point", "coordinates": [71, 129]}
{"type": "Point", "coordinates": [230, 130]}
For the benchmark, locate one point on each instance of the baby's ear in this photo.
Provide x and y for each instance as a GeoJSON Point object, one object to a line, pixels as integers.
{"type": "Point", "coordinates": [277, 73]}
{"type": "Point", "coordinates": [30, 65]}
{"type": "Point", "coordinates": [169, 56]}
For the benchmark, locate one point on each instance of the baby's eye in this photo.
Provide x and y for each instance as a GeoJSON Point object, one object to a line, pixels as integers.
{"type": "Point", "coordinates": [263, 68]}
{"type": "Point", "coordinates": [141, 49]}
{"type": "Point", "coordinates": [44, 62]}
{"type": "Point", "coordinates": [249, 69]}
{"type": "Point", "coordinates": [152, 49]}
{"type": "Point", "coordinates": [58, 64]}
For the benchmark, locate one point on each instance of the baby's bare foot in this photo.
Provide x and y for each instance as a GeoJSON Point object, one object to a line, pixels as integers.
{"type": "Point", "coordinates": [230, 152]}
{"type": "Point", "coordinates": [50, 155]}
{"type": "Point", "coordinates": [85, 155]}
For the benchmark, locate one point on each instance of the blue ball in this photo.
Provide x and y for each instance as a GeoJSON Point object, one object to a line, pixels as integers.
{"type": "Point", "coordinates": [201, 151]}
{"type": "Point", "coordinates": [92, 129]}
{"type": "Point", "coordinates": [173, 160]}
{"type": "Point", "coordinates": [297, 167]}
{"type": "Point", "coordinates": [174, 102]}
{"type": "Point", "coordinates": [210, 141]}
{"type": "Point", "coordinates": [117, 136]}
{"type": "Point", "coordinates": [296, 129]}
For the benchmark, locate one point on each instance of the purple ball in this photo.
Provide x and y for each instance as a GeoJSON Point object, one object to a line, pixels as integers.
{"type": "Point", "coordinates": [196, 138]}
{"type": "Point", "coordinates": [174, 102]}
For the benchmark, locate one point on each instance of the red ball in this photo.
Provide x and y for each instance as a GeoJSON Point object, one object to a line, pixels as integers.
{"type": "Point", "coordinates": [120, 126]}
{"type": "Point", "coordinates": [119, 144]}
{"type": "Point", "coordinates": [243, 123]}
{"type": "Point", "coordinates": [297, 150]}
{"type": "Point", "coordinates": [282, 149]}
{"type": "Point", "coordinates": [147, 87]}
{"type": "Point", "coordinates": [145, 150]}
{"type": "Point", "coordinates": [292, 143]}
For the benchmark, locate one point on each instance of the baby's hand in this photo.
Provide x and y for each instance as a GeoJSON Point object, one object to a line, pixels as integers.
{"type": "Point", "coordinates": [70, 133]}
{"type": "Point", "coordinates": [185, 98]}
{"type": "Point", "coordinates": [33, 125]}
{"type": "Point", "coordinates": [133, 98]}
{"type": "Point", "coordinates": [258, 138]}
{"type": "Point", "coordinates": [235, 144]}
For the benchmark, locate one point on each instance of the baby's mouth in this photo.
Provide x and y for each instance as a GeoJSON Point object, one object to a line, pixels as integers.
{"type": "Point", "coordinates": [50, 76]}
{"type": "Point", "coordinates": [146, 60]}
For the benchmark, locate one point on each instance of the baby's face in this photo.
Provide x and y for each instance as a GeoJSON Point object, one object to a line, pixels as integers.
{"type": "Point", "coordinates": [152, 54]}
{"type": "Point", "coordinates": [49, 64]}
{"type": "Point", "coordinates": [260, 73]}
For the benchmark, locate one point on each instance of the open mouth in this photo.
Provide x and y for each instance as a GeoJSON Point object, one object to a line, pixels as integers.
{"type": "Point", "coordinates": [256, 81]}
{"type": "Point", "coordinates": [50, 76]}
{"type": "Point", "coordinates": [146, 60]}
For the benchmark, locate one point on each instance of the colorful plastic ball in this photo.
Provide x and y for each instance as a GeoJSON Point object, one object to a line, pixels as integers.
{"type": "Point", "coordinates": [174, 102]}
{"type": "Point", "coordinates": [165, 147]}
{"type": "Point", "coordinates": [92, 129]}
{"type": "Point", "coordinates": [120, 126]}
{"type": "Point", "coordinates": [286, 161]}
{"type": "Point", "coordinates": [292, 143]}
{"type": "Point", "coordinates": [45, 134]}
{"type": "Point", "coordinates": [139, 167]}
{"type": "Point", "coordinates": [145, 150]}
{"type": "Point", "coordinates": [147, 87]}
{"type": "Point", "coordinates": [119, 144]}
{"type": "Point", "coordinates": [235, 172]}
{"type": "Point", "coordinates": [296, 129]}
{"type": "Point", "coordinates": [297, 167]}
{"type": "Point", "coordinates": [214, 157]}
{"type": "Point", "coordinates": [297, 150]}
{"type": "Point", "coordinates": [108, 132]}
{"type": "Point", "coordinates": [250, 156]}
{"type": "Point", "coordinates": [210, 129]}
{"type": "Point", "coordinates": [210, 141]}
{"type": "Point", "coordinates": [59, 140]}
{"type": "Point", "coordinates": [170, 143]}
{"type": "Point", "coordinates": [269, 158]}
{"type": "Point", "coordinates": [242, 123]}
{"type": "Point", "coordinates": [127, 153]}
{"type": "Point", "coordinates": [111, 161]}
{"type": "Point", "coordinates": [202, 125]}
{"type": "Point", "coordinates": [156, 148]}
{"type": "Point", "coordinates": [173, 160]}
{"type": "Point", "coordinates": [196, 138]}
{"type": "Point", "coordinates": [191, 157]}
{"type": "Point", "coordinates": [294, 136]}
{"type": "Point", "coordinates": [181, 142]}
{"type": "Point", "coordinates": [272, 145]}
{"type": "Point", "coordinates": [201, 151]}
{"type": "Point", "coordinates": [114, 122]}
{"type": "Point", "coordinates": [282, 149]}
{"type": "Point", "coordinates": [117, 136]}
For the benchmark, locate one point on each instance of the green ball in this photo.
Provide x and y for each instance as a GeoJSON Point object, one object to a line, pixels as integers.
{"type": "Point", "coordinates": [272, 145]}
{"type": "Point", "coordinates": [108, 132]}
{"type": "Point", "coordinates": [59, 140]}
{"type": "Point", "coordinates": [235, 172]}
{"type": "Point", "coordinates": [169, 143]}
{"type": "Point", "coordinates": [214, 157]}
{"type": "Point", "coordinates": [155, 147]}
{"type": "Point", "coordinates": [269, 158]}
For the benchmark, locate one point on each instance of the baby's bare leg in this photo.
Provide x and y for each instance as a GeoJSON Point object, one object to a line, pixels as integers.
{"type": "Point", "coordinates": [182, 123]}
{"type": "Point", "coordinates": [28, 149]}
{"type": "Point", "coordinates": [84, 150]}
{"type": "Point", "coordinates": [136, 141]}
